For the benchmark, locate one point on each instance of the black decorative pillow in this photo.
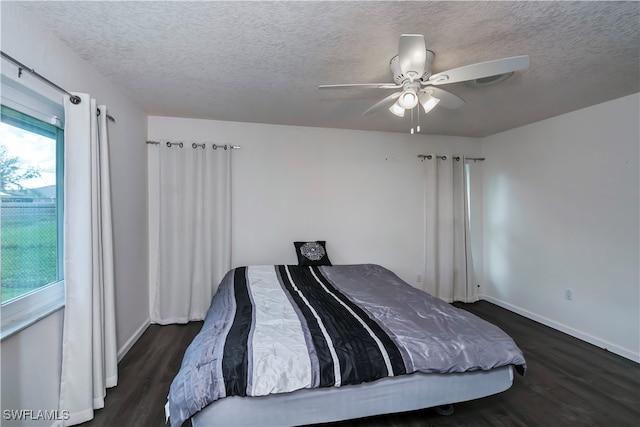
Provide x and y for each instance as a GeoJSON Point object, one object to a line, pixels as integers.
{"type": "Point", "coordinates": [312, 253]}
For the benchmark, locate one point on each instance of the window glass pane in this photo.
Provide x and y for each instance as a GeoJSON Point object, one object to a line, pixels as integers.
{"type": "Point", "coordinates": [29, 208]}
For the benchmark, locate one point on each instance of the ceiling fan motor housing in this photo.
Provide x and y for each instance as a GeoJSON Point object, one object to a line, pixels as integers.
{"type": "Point", "coordinates": [399, 76]}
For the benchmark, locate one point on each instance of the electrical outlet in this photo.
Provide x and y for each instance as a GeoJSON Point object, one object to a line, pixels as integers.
{"type": "Point", "coordinates": [568, 294]}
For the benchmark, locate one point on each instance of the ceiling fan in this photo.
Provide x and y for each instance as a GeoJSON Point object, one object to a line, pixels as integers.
{"type": "Point", "coordinates": [411, 69]}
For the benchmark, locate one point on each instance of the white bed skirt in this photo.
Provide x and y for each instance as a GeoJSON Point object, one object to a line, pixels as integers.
{"type": "Point", "coordinates": [387, 395]}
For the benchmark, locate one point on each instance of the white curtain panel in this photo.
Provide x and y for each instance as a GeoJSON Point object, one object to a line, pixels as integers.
{"type": "Point", "coordinates": [89, 353]}
{"type": "Point", "coordinates": [190, 228]}
{"type": "Point", "coordinates": [448, 263]}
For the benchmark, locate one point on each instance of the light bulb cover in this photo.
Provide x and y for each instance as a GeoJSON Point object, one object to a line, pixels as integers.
{"type": "Point", "coordinates": [408, 99]}
{"type": "Point", "coordinates": [428, 102]}
{"type": "Point", "coordinates": [397, 109]}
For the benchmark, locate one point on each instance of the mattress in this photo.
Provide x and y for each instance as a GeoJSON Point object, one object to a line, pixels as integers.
{"type": "Point", "coordinates": [388, 395]}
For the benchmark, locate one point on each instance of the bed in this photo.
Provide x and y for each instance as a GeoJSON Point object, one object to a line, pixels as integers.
{"type": "Point", "coordinates": [293, 345]}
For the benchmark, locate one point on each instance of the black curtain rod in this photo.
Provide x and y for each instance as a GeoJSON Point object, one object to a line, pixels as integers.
{"type": "Point", "coordinates": [75, 99]}
{"type": "Point", "coordinates": [457, 158]}
{"type": "Point", "coordinates": [109, 116]}
{"type": "Point", "coordinates": [195, 145]}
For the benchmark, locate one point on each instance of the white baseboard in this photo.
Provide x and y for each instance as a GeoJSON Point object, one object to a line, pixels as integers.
{"type": "Point", "coordinates": [131, 341]}
{"type": "Point", "coordinates": [626, 353]}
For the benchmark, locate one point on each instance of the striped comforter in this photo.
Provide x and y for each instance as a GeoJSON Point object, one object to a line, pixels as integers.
{"type": "Point", "coordinates": [277, 329]}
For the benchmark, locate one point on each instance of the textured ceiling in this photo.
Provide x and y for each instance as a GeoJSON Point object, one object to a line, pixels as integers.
{"type": "Point", "coordinates": [263, 61]}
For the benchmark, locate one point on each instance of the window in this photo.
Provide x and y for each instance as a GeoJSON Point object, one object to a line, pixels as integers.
{"type": "Point", "coordinates": [31, 203]}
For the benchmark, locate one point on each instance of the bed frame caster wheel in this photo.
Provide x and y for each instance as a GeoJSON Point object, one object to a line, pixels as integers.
{"type": "Point", "coordinates": [444, 409]}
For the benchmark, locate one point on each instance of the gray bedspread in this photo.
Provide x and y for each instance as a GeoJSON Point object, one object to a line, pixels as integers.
{"type": "Point", "coordinates": [276, 329]}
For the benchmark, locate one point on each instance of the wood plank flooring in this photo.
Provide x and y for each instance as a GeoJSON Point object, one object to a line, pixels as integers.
{"type": "Point", "coordinates": [568, 383]}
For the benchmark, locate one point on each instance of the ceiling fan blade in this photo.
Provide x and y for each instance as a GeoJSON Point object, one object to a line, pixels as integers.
{"type": "Point", "coordinates": [447, 99]}
{"type": "Point", "coordinates": [382, 103]}
{"type": "Point", "coordinates": [362, 85]}
{"type": "Point", "coordinates": [412, 55]}
{"type": "Point", "coordinates": [480, 70]}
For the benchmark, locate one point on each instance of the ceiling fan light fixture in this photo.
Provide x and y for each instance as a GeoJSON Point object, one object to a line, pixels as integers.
{"type": "Point", "coordinates": [397, 109]}
{"type": "Point", "coordinates": [408, 99]}
{"type": "Point", "coordinates": [411, 69]}
{"type": "Point", "coordinates": [428, 102]}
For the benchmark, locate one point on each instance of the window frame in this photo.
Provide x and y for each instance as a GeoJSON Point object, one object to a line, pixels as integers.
{"type": "Point", "coordinates": [27, 309]}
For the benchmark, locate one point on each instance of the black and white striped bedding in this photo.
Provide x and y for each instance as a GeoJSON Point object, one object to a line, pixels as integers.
{"type": "Point", "coordinates": [276, 329]}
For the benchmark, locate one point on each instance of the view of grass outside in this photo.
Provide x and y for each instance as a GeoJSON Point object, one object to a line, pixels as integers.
{"type": "Point", "coordinates": [29, 253]}
{"type": "Point", "coordinates": [28, 214]}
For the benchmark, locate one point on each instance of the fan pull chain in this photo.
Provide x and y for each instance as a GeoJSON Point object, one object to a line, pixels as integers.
{"type": "Point", "coordinates": [412, 120]}
{"type": "Point", "coordinates": [418, 127]}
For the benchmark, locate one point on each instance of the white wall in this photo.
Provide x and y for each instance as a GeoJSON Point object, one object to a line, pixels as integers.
{"type": "Point", "coordinates": [561, 211]}
{"type": "Point", "coordinates": [25, 39]}
{"type": "Point", "coordinates": [30, 367]}
{"type": "Point", "coordinates": [360, 191]}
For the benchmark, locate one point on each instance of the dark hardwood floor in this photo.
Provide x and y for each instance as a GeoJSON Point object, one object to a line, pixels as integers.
{"type": "Point", "coordinates": [568, 383]}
